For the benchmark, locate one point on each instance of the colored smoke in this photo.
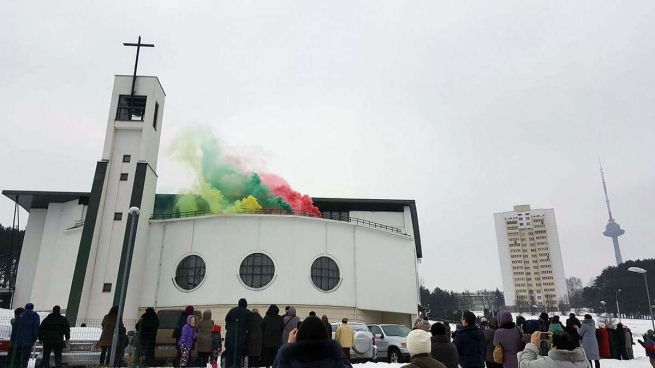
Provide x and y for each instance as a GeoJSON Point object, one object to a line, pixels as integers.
{"type": "Point", "coordinates": [222, 184]}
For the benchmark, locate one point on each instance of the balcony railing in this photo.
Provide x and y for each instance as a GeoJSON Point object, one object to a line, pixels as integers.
{"type": "Point", "coordinates": [276, 211]}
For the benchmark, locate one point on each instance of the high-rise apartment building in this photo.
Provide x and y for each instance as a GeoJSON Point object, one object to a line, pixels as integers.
{"type": "Point", "coordinates": [530, 259]}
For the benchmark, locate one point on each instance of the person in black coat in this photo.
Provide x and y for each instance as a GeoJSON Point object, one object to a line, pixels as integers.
{"type": "Point", "coordinates": [52, 332]}
{"type": "Point", "coordinates": [254, 338]}
{"type": "Point", "coordinates": [236, 335]}
{"type": "Point", "coordinates": [327, 324]}
{"type": "Point", "coordinates": [545, 321]}
{"type": "Point", "coordinates": [442, 349]}
{"type": "Point", "coordinates": [147, 329]}
{"type": "Point", "coordinates": [571, 330]}
{"type": "Point", "coordinates": [310, 346]}
{"type": "Point", "coordinates": [470, 343]}
{"type": "Point", "coordinates": [272, 327]}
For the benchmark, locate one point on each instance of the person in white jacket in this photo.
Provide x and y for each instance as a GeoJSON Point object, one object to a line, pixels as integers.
{"type": "Point", "coordinates": [564, 354]}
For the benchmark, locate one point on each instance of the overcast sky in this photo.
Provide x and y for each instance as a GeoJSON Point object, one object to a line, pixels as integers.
{"type": "Point", "coordinates": [468, 107]}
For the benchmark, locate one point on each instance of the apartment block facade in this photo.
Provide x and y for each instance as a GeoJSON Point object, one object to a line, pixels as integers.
{"type": "Point", "coordinates": [530, 259]}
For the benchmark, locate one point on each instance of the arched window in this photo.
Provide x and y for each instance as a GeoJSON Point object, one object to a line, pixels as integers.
{"type": "Point", "coordinates": [257, 270]}
{"type": "Point", "coordinates": [190, 272]}
{"type": "Point", "coordinates": [325, 273]}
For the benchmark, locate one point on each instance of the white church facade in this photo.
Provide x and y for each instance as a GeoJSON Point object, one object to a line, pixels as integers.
{"type": "Point", "coordinates": [358, 261]}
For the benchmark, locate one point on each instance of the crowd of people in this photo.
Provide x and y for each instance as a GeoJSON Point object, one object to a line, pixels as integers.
{"type": "Point", "coordinates": [284, 341]}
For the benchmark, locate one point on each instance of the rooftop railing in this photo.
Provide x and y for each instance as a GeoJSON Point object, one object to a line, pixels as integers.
{"type": "Point", "coordinates": [276, 211]}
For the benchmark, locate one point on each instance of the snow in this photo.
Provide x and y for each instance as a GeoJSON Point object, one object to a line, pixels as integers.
{"type": "Point", "coordinates": [605, 363]}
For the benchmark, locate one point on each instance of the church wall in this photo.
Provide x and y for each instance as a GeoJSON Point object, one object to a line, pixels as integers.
{"type": "Point", "coordinates": [293, 243]}
{"type": "Point", "coordinates": [29, 256]}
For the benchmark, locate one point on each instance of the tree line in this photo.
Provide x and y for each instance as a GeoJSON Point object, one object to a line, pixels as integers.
{"type": "Point", "coordinates": [445, 305]}
{"type": "Point", "coordinates": [11, 243]}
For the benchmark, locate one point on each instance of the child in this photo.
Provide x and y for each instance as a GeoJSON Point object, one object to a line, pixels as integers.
{"type": "Point", "coordinates": [187, 339]}
{"type": "Point", "coordinates": [217, 345]}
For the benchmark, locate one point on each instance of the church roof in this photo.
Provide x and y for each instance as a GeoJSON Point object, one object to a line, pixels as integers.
{"type": "Point", "coordinates": [41, 199]}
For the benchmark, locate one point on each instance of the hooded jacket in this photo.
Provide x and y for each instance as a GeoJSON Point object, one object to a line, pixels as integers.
{"type": "Point", "coordinates": [255, 335]}
{"type": "Point", "coordinates": [510, 337]}
{"type": "Point", "coordinates": [530, 358]}
{"type": "Point", "coordinates": [311, 354]}
{"type": "Point", "coordinates": [54, 329]}
{"type": "Point", "coordinates": [181, 321]}
{"type": "Point", "coordinates": [290, 322]}
{"type": "Point", "coordinates": [189, 334]}
{"type": "Point", "coordinates": [589, 341]}
{"type": "Point", "coordinates": [604, 343]}
{"type": "Point", "coordinates": [444, 351]}
{"type": "Point", "coordinates": [470, 346]}
{"type": "Point", "coordinates": [26, 329]}
{"type": "Point", "coordinates": [236, 323]}
{"type": "Point", "coordinates": [148, 325]}
{"type": "Point", "coordinates": [272, 327]}
{"type": "Point", "coordinates": [205, 327]}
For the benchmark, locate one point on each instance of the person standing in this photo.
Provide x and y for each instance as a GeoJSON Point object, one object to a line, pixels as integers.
{"type": "Point", "coordinates": [510, 337]}
{"type": "Point", "coordinates": [629, 343]}
{"type": "Point", "coordinates": [489, 334]}
{"type": "Point", "coordinates": [470, 343]}
{"type": "Point", "coordinates": [345, 336]}
{"type": "Point", "coordinates": [272, 327]}
{"type": "Point", "coordinates": [419, 347]}
{"type": "Point", "coordinates": [217, 346]}
{"type": "Point", "coordinates": [555, 325]}
{"type": "Point", "coordinates": [53, 332]}
{"type": "Point", "coordinates": [571, 325]}
{"type": "Point", "coordinates": [11, 353]}
{"type": "Point", "coordinates": [187, 339]}
{"type": "Point", "coordinates": [649, 345]}
{"type": "Point", "coordinates": [108, 325]}
{"type": "Point", "coordinates": [564, 354]}
{"type": "Point", "coordinates": [236, 326]}
{"type": "Point", "coordinates": [147, 328]}
{"type": "Point", "coordinates": [205, 328]}
{"type": "Point", "coordinates": [441, 348]}
{"type": "Point", "coordinates": [545, 321]}
{"type": "Point", "coordinates": [520, 320]}
{"type": "Point", "coordinates": [255, 338]}
{"type": "Point", "coordinates": [589, 341]}
{"type": "Point", "coordinates": [327, 324]}
{"type": "Point", "coordinates": [177, 332]}
{"type": "Point", "coordinates": [290, 322]}
{"type": "Point", "coordinates": [603, 342]}
{"type": "Point", "coordinates": [24, 335]}
{"type": "Point", "coordinates": [619, 342]}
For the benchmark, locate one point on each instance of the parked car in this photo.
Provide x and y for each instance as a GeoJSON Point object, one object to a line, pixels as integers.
{"type": "Point", "coordinates": [391, 341]}
{"type": "Point", "coordinates": [364, 348]}
{"type": "Point", "coordinates": [80, 350]}
{"type": "Point", "coordinates": [165, 349]}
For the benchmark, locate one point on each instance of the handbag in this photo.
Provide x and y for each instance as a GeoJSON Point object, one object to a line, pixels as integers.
{"type": "Point", "coordinates": [499, 354]}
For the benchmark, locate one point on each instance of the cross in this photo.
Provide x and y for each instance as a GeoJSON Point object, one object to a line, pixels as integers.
{"type": "Point", "coordinates": [138, 45]}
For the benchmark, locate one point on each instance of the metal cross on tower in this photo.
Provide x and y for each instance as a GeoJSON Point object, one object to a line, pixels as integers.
{"type": "Point", "coordinates": [138, 45]}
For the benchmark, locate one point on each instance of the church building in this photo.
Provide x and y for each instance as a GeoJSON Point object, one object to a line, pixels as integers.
{"type": "Point", "coordinates": [357, 260]}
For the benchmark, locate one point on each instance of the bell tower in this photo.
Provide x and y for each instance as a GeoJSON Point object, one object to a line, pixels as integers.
{"type": "Point", "coordinates": [126, 176]}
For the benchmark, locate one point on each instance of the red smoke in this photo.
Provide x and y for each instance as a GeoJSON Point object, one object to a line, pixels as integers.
{"type": "Point", "coordinates": [298, 202]}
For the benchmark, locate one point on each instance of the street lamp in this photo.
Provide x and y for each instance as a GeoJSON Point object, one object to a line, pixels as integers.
{"type": "Point", "coordinates": [605, 306]}
{"type": "Point", "coordinates": [618, 310]}
{"type": "Point", "coordinates": [650, 308]}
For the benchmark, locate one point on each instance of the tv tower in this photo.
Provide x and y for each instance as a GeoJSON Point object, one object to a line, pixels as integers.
{"type": "Point", "coordinates": [612, 230]}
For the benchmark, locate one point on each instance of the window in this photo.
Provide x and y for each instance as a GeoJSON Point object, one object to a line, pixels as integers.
{"type": "Point", "coordinates": [129, 111]}
{"type": "Point", "coordinates": [375, 330]}
{"type": "Point", "coordinates": [325, 273]}
{"type": "Point", "coordinates": [127, 158]}
{"type": "Point", "coordinates": [106, 288]}
{"type": "Point", "coordinates": [154, 119]}
{"type": "Point", "coordinates": [190, 272]}
{"type": "Point", "coordinates": [123, 176]}
{"type": "Point", "coordinates": [257, 270]}
{"type": "Point", "coordinates": [118, 216]}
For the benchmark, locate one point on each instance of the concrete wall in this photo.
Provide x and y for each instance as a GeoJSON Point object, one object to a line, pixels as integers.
{"type": "Point", "coordinates": [506, 272]}
{"type": "Point", "coordinates": [373, 264]}
{"type": "Point", "coordinates": [559, 278]}
{"type": "Point", "coordinates": [29, 256]}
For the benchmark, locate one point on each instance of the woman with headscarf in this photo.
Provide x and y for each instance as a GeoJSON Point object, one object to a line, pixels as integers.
{"type": "Point", "coordinates": [510, 337]}
{"type": "Point", "coordinates": [272, 327]}
{"type": "Point", "coordinates": [205, 328]}
{"type": "Point", "coordinates": [327, 324]}
{"type": "Point", "coordinates": [310, 346]}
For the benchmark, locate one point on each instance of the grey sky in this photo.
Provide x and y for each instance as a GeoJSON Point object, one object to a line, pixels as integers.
{"type": "Point", "coordinates": [467, 107]}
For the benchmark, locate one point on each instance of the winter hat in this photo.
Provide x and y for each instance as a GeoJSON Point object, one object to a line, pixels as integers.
{"type": "Point", "coordinates": [423, 325]}
{"type": "Point", "coordinates": [217, 328]}
{"type": "Point", "coordinates": [418, 342]}
{"type": "Point", "coordinates": [482, 320]}
{"type": "Point", "coordinates": [520, 320]}
{"type": "Point", "coordinates": [544, 316]}
{"type": "Point", "coordinates": [504, 317]}
{"type": "Point", "coordinates": [189, 309]}
{"type": "Point", "coordinates": [601, 325]}
{"type": "Point", "coordinates": [649, 333]}
{"type": "Point", "coordinates": [312, 329]}
{"type": "Point", "coordinates": [243, 303]}
{"type": "Point", "coordinates": [438, 329]}
{"type": "Point", "coordinates": [29, 306]}
{"type": "Point", "coordinates": [531, 326]}
{"type": "Point", "coordinates": [273, 310]}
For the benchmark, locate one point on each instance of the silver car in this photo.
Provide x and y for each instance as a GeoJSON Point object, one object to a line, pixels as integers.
{"type": "Point", "coordinates": [80, 350]}
{"type": "Point", "coordinates": [391, 341]}
{"type": "Point", "coordinates": [364, 348]}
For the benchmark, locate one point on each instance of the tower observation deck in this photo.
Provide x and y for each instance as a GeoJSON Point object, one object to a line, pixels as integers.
{"type": "Point", "coordinates": [612, 229]}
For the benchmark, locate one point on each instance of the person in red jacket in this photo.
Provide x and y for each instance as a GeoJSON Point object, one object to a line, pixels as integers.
{"type": "Point", "coordinates": [603, 342]}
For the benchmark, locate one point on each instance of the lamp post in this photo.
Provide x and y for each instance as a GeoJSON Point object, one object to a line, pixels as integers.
{"type": "Point", "coordinates": [618, 310]}
{"type": "Point", "coordinates": [604, 306]}
{"type": "Point", "coordinates": [134, 211]}
{"type": "Point", "coordinates": [650, 308]}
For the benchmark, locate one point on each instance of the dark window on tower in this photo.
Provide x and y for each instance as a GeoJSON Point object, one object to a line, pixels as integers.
{"type": "Point", "coordinates": [154, 119]}
{"type": "Point", "coordinates": [123, 176]}
{"type": "Point", "coordinates": [118, 216]}
{"type": "Point", "coordinates": [131, 111]}
{"type": "Point", "coordinates": [127, 158]}
{"type": "Point", "coordinates": [106, 288]}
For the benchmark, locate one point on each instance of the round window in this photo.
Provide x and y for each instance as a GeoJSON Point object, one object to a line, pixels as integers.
{"type": "Point", "coordinates": [325, 273]}
{"type": "Point", "coordinates": [190, 272]}
{"type": "Point", "coordinates": [257, 270]}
